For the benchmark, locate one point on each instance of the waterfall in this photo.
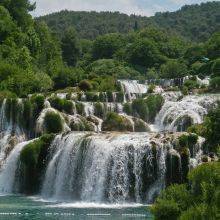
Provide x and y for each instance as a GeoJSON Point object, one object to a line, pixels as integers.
{"type": "Point", "coordinates": [178, 115]}
{"type": "Point", "coordinates": [10, 131]}
{"type": "Point", "coordinates": [131, 88]}
{"type": "Point", "coordinates": [8, 171]}
{"type": "Point", "coordinates": [104, 168]}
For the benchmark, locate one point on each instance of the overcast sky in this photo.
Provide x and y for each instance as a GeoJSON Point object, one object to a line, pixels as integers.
{"type": "Point", "coordinates": [139, 7]}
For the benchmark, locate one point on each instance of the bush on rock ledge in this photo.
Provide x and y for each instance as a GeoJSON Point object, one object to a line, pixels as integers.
{"type": "Point", "coordinates": [53, 123]}
{"type": "Point", "coordinates": [116, 122]}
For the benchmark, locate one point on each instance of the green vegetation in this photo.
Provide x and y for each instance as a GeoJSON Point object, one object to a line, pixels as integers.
{"type": "Point", "coordinates": [62, 105]}
{"type": "Point", "coordinates": [53, 123]}
{"type": "Point", "coordinates": [115, 122]}
{"type": "Point", "coordinates": [83, 124]}
{"type": "Point", "coordinates": [194, 22]}
{"type": "Point", "coordinates": [146, 108]}
{"type": "Point", "coordinates": [33, 162]}
{"type": "Point", "coordinates": [189, 141]}
{"type": "Point", "coordinates": [210, 129]}
{"type": "Point", "coordinates": [197, 200]}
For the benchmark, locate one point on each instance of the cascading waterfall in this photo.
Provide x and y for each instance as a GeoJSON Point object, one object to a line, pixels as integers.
{"type": "Point", "coordinates": [104, 168]}
{"type": "Point", "coordinates": [178, 115]}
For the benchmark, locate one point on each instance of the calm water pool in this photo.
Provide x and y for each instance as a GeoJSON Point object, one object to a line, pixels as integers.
{"type": "Point", "coordinates": [31, 208]}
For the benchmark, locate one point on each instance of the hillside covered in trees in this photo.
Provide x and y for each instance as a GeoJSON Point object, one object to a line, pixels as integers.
{"type": "Point", "coordinates": [33, 59]}
{"type": "Point", "coordinates": [193, 22]}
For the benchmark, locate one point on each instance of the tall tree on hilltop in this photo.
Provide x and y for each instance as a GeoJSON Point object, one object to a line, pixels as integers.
{"type": "Point", "coordinates": [70, 47]}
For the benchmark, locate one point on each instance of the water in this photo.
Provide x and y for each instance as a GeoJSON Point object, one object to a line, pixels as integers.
{"type": "Point", "coordinates": [30, 208]}
{"type": "Point", "coordinates": [104, 167]}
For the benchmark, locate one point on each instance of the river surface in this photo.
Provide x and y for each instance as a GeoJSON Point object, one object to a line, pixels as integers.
{"type": "Point", "coordinates": [32, 208]}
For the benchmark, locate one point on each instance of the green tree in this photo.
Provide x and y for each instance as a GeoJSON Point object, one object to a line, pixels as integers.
{"type": "Point", "coordinates": [106, 46]}
{"type": "Point", "coordinates": [19, 10]}
{"type": "Point", "coordinates": [70, 45]}
{"type": "Point", "coordinates": [144, 52]}
{"type": "Point", "coordinates": [173, 69]}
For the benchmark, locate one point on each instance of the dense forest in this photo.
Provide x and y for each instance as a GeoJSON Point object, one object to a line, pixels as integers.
{"type": "Point", "coordinates": [33, 59]}
{"type": "Point", "coordinates": [193, 22]}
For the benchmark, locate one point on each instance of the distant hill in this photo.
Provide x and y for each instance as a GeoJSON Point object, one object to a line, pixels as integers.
{"type": "Point", "coordinates": [193, 22]}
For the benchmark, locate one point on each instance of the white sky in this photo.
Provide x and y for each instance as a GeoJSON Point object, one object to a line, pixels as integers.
{"type": "Point", "coordinates": [138, 7]}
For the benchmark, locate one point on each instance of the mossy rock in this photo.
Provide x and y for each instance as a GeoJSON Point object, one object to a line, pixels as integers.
{"type": "Point", "coordinates": [115, 122]}
{"type": "Point", "coordinates": [82, 125]}
{"type": "Point", "coordinates": [189, 141]}
{"type": "Point", "coordinates": [33, 159]}
{"type": "Point", "coordinates": [147, 108]}
{"type": "Point", "coordinates": [53, 123]}
{"type": "Point", "coordinates": [185, 159]}
{"type": "Point", "coordinates": [38, 104]}
{"type": "Point", "coordinates": [62, 105]}
{"type": "Point", "coordinates": [140, 125]}
{"type": "Point", "coordinates": [173, 165]}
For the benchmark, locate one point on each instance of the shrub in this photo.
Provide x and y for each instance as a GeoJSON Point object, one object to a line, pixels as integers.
{"type": "Point", "coordinates": [185, 90]}
{"type": "Point", "coordinates": [165, 210]}
{"type": "Point", "coordinates": [85, 85]}
{"type": "Point", "coordinates": [185, 160]}
{"type": "Point", "coordinates": [127, 108]}
{"type": "Point", "coordinates": [191, 84]}
{"type": "Point", "coordinates": [56, 103]}
{"type": "Point", "coordinates": [110, 96]}
{"type": "Point", "coordinates": [38, 103]}
{"type": "Point", "coordinates": [62, 104]}
{"type": "Point", "coordinates": [215, 83]}
{"type": "Point", "coordinates": [189, 141]}
{"type": "Point", "coordinates": [115, 122]}
{"type": "Point", "coordinates": [68, 106]}
{"type": "Point", "coordinates": [140, 109]}
{"type": "Point", "coordinates": [197, 212]}
{"type": "Point", "coordinates": [53, 123]}
{"type": "Point", "coordinates": [99, 109]}
{"type": "Point", "coordinates": [199, 200]}
{"type": "Point", "coordinates": [154, 103]}
{"type": "Point", "coordinates": [151, 88]}
{"type": "Point", "coordinates": [120, 97]}
{"type": "Point", "coordinates": [148, 108]}
{"type": "Point", "coordinates": [207, 173]}
{"type": "Point", "coordinates": [82, 125]}
{"type": "Point", "coordinates": [174, 198]}
{"type": "Point", "coordinates": [80, 108]}
{"type": "Point", "coordinates": [27, 115]}
{"type": "Point", "coordinates": [91, 97]}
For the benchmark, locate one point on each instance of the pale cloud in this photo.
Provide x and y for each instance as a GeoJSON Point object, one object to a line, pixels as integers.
{"type": "Point", "coordinates": [139, 7]}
